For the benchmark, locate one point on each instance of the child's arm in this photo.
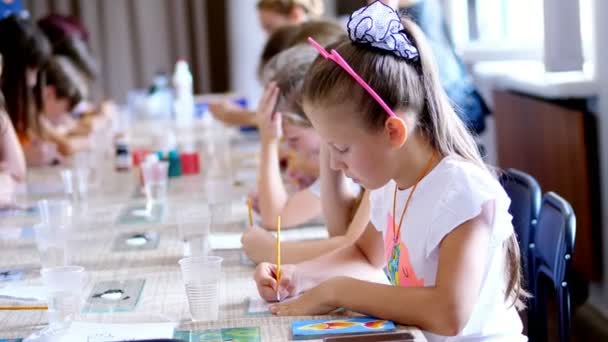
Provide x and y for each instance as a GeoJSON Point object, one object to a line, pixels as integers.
{"type": "Point", "coordinates": [65, 145]}
{"type": "Point", "coordinates": [82, 127]}
{"type": "Point", "coordinates": [273, 198]}
{"type": "Point", "coordinates": [12, 159]}
{"type": "Point", "coordinates": [300, 208]}
{"type": "Point", "coordinates": [337, 199]}
{"type": "Point", "coordinates": [442, 309]}
{"type": "Point", "coordinates": [362, 260]}
{"type": "Point", "coordinates": [259, 245]}
{"type": "Point", "coordinates": [231, 114]}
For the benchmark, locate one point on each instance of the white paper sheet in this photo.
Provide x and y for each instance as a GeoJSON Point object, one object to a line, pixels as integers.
{"type": "Point", "coordinates": [97, 332]}
{"type": "Point", "coordinates": [22, 292]}
{"type": "Point", "coordinates": [225, 241]}
{"type": "Point", "coordinates": [257, 306]}
{"type": "Point", "coordinates": [304, 233]}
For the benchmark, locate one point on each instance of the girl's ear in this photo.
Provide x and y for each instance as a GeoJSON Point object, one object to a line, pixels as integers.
{"type": "Point", "coordinates": [396, 130]}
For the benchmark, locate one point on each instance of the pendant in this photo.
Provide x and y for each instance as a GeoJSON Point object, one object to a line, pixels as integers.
{"type": "Point", "coordinates": [393, 264]}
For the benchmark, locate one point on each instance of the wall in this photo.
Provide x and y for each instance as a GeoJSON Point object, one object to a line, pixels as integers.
{"type": "Point", "coordinates": [246, 40]}
{"type": "Point", "coordinates": [599, 292]}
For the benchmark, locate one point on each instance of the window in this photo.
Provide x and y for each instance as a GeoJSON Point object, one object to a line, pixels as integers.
{"type": "Point", "coordinates": [481, 27]}
{"type": "Point", "coordinates": [507, 29]}
{"type": "Point", "coordinates": [587, 32]}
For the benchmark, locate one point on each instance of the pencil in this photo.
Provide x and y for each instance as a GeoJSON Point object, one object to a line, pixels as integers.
{"type": "Point", "coordinates": [249, 211]}
{"type": "Point", "coordinates": [278, 256]}
{"type": "Point", "coordinates": [23, 307]}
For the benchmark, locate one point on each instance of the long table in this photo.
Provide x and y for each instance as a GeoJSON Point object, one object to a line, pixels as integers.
{"type": "Point", "coordinates": [163, 298]}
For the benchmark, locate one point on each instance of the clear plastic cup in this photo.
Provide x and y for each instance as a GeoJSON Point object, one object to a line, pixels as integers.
{"type": "Point", "coordinates": [95, 159]}
{"type": "Point", "coordinates": [218, 157]}
{"type": "Point", "coordinates": [56, 213]}
{"type": "Point", "coordinates": [193, 226]}
{"type": "Point", "coordinates": [155, 177]}
{"type": "Point", "coordinates": [76, 182]}
{"type": "Point", "coordinates": [202, 275]}
{"type": "Point", "coordinates": [51, 242]}
{"type": "Point", "coordinates": [64, 287]}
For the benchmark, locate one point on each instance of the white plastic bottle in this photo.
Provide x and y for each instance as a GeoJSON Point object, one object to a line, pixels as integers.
{"type": "Point", "coordinates": [183, 102]}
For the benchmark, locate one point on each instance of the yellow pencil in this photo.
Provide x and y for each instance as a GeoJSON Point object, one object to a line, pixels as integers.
{"type": "Point", "coordinates": [23, 307]}
{"type": "Point", "coordinates": [278, 256]}
{"type": "Point", "coordinates": [249, 210]}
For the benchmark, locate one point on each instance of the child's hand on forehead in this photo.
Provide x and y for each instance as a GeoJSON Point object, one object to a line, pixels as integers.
{"type": "Point", "coordinates": [269, 121]}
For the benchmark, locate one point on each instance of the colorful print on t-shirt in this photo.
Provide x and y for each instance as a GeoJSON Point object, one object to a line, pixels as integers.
{"type": "Point", "coordinates": [400, 269]}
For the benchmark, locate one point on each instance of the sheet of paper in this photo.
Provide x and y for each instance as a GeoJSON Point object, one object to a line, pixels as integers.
{"type": "Point", "coordinates": [225, 241]}
{"type": "Point", "coordinates": [304, 233]}
{"type": "Point", "coordinates": [22, 292]}
{"type": "Point", "coordinates": [97, 332]}
{"type": "Point", "coordinates": [229, 241]}
{"type": "Point", "coordinates": [257, 306]}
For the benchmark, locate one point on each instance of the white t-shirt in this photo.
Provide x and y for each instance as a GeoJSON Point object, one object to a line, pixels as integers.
{"type": "Point", "coordinates": [451, 194]}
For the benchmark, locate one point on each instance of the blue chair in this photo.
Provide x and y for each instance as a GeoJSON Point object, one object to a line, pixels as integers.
{"type": "Point", "coordinates": [554, 243]}
{"type": "Point", "coordinates": [525, 195]}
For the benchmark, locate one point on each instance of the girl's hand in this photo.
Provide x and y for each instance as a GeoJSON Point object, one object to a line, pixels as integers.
{"type": "Point", "coordinates": [316, 301]}
{"type": "Point", "coordinates": [269, 121]}
{"type": "Point", "coordinates": [265, 279]}
{"type": "Point", "coordinates": [258, 244]}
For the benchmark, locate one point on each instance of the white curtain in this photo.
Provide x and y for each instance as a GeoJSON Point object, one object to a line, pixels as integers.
{"type": "Point", "coordinates": [134, 39]}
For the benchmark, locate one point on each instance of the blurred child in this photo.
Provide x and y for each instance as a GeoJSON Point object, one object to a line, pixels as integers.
{"type": "Point", "coordinates": [69, 38]}
{"type": "Point", "coordinates": [64, 89]}
{"type": "Point", "coordinates": [12, 160]}
{"type": "Point", "coordinates": [280, 113]}
{"type": "Point", "coordinates": [289, 69]}
{"type": "Point", "coordinates": [274, 14]}
{"type": "Point", "coordinates": [25, 50]}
